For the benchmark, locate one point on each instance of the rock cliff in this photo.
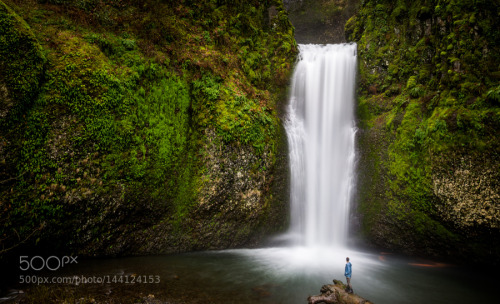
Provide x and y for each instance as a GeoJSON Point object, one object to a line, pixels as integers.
{"type": "Point", "coordinates": [320, 21]}
{"type": "Point", "coordinates": [142, 127]}
{"type": "Point", "coordinates": [429, 111]}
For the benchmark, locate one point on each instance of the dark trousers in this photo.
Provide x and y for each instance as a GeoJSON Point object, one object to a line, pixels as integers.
{"type": "Point", "coordinates": [348, 283]}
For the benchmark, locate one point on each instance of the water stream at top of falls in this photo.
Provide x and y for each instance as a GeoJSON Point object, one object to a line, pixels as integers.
{"type": "Point", "coordinates": [321, 132]}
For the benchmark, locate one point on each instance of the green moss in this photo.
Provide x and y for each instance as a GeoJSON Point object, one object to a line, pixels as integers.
{"type": "Point", "coordinates": [22, 70]}
{"type": "Point", "coordinates": [115, 101]}
{"type": "Point", "coordinates": [427, 86]}
{"type": "Point", "coordinates": [23, 126]}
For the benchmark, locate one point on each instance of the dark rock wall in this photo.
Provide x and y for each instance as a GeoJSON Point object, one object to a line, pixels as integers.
{"type": "Point", "coordinates": [428, 115]}
{"type": "Point", "coordinates": [140, 127]}
{"type": "Point", "coordinates": [320, 21]}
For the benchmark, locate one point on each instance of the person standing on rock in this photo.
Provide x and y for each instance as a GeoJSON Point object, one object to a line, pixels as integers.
{"type": "Point", "coordinates": [348, 273]}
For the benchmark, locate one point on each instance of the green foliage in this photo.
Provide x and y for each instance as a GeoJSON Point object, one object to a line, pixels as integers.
{"type": "Point", "coordinates": [23, 126]}
{"type": "Point", "coordinates": [115, 98]}
{"type": "Point", "coordinates": [236, 117]}
{"type": "Point", "coordinates": [22, 71]}
{"type": "Point", "coordinates": [429, 75]}
{"type": "Point", "coordinates": [493, 95]}
{"type": "Point", "coordinates": [412, 82]}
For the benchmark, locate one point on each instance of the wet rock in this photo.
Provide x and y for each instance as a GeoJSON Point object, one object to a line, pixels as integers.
{"type": "Point", "coordinates": [336, 294]}
{"type": "Point", "coordinates": [320, 21]}
{"type": "Point", "coordinates": [5, 102]}
{"type": "Point", "coordinates": [150, 299]}
{"type": "Point", "coordinates": [468, 190]}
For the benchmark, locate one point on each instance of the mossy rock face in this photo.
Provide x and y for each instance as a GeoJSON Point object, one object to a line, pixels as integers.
{"type": "Point", "coordinates": [143, 127]}
{"type": "Point", "coordinates": [428, 114]}
{"type": "Point", "coordinates": [21, 61]}
{"type": "Point", "coordinates": [22, 70]}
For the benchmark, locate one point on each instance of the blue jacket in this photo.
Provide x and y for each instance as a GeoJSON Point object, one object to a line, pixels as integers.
{"type": "Point", "coordinates": [348, 270]}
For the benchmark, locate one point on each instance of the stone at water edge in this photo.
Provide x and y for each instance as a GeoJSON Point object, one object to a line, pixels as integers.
{"type": "Point", "coordinates": [336, 294]}
{"type": "Point", "coordinates": [327, 296]}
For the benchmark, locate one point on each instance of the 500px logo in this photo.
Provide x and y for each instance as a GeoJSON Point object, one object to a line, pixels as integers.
{"type": "Point", "coordinates": [51, 263]}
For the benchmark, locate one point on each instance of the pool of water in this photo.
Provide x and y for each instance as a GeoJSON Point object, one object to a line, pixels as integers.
{"type": "Point", "coordinates": [281, 275]}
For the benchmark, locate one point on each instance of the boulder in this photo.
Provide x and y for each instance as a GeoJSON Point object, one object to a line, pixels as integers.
{"type": "Point", "coordinates": [336, 294]}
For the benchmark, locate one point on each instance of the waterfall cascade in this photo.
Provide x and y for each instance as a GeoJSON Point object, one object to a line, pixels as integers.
{"type": "Point", "coordinates": [321, 132]}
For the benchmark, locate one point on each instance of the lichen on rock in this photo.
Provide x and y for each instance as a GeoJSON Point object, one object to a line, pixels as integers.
{"type": "Point", "coordinates": [335, 294]}
{"type": "Point", "coordinates": [468, 189]}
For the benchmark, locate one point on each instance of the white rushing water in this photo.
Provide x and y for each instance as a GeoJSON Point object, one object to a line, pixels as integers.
{"type": "Point", "coordinates": [321, 132]}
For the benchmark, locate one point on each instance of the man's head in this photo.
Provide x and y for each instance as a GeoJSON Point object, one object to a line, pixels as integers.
{"type": "Point", "coordinates": [347, 259]}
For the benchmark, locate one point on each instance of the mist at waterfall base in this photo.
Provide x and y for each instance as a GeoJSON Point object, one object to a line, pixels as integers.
{"type": "Point", "coordinates": [281, 275]}
{"type": "Point", "coordinates": [321, 132]}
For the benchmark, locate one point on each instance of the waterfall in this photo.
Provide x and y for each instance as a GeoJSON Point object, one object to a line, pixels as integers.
{"type": "Point", "coordinates": [321, 131]}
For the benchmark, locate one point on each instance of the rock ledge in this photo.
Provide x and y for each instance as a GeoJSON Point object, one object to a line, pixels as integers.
{"type": "Point", "coordinates": [336, 294]}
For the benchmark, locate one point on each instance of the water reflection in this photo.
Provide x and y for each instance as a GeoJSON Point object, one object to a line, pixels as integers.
{"type": "Point", "coordinates": [282, 275]}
